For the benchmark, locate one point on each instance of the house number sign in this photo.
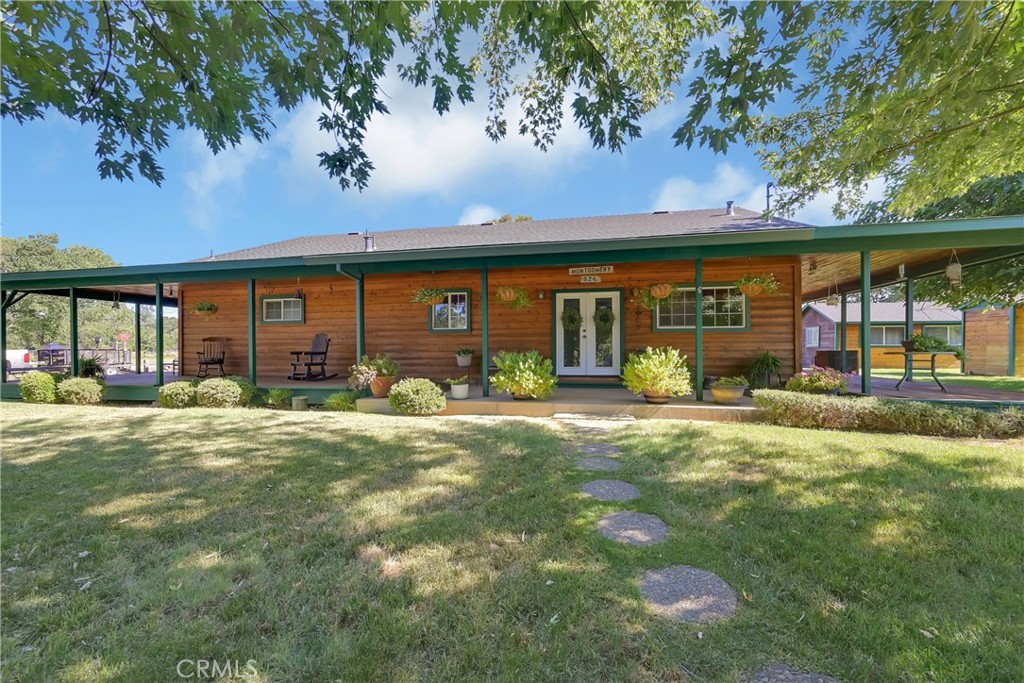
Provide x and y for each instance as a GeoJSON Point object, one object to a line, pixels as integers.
{"type": "Point", "coordinates": [589, 279]}
{"type": "Point", "coordinates": [592, 270]}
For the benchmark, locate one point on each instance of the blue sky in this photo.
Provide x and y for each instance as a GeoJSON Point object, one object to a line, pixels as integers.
{"type": "Point", "coordinates": [431, 170]}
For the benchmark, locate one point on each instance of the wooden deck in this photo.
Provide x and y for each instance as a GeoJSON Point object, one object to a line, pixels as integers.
{"type": "Point", "coordinates": [924, 388]}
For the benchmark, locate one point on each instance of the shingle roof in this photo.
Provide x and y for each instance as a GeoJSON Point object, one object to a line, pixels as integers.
{"type": "Point", "coordinates": [598, 228]}
{"type": "Point", "coordinates": [885, 311]}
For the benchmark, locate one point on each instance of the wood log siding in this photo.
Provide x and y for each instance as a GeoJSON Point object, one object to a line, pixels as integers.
{"type": "Point", "coordinates": [395, 325]}
{"type": "Point", "coordinates": [988, 341]}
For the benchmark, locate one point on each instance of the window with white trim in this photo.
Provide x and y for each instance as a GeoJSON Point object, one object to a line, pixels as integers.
{"type": "Point", "coordinates": [887, 335]}
{"type": "Point", "coordinates": [722, 308]}
{"type": "Point", "coordinates": [812, 336]}
{"type": "Point", "coordinates": [452, 314]}
{"type": "Point", "coordinates": [283, 309]}
{"type": "Point", "coordinates": [951, 334]}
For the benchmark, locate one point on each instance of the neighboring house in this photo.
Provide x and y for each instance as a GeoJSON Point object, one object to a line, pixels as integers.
{"type": "Point", "coordinates": [821, 323]}
{"type": "Point", "coordinates": [994, 341]}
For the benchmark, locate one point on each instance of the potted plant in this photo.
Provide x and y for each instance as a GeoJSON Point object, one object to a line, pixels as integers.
{"type": "Point", "coordinates": [460, 387]}
{"type": "Point", "coordinates": [429, 296]}
{"type": "Point", "coordinates": [755, 285]}
{"type": "Point", "coordinates": [729, 390]}
{"type": "Point", "coordinates": [378, 373]}
{"type": "Point", "coordinates": [764, 365]}
{"type": "Point", "coordinates": [657, 374]}
{"type": "Point", "coordinates": [524, 375]}
{"type": "Point", "coordinates": [204, 308]}
{"type": "Point", "coordinates": [464, 357]}
{"type": "Point", "coordinates": [818, 381]}
{"type": "Point", "coordinates": [662, 291]}
{"type": "Point", "coordinates": [516, 298]}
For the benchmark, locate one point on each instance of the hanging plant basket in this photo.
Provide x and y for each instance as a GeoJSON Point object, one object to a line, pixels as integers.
{"type": "Point", "coordinates": [756, 285]}
{"type": "Point", "coordinates": [572, 319]}
{"type": "Point", "coordinates": [429, 296]}
{"type": "Point", "coordinates": [832, 300]}
{"type": "Point", "coordinates": [604, 318]}
{"type": "Point", "coordinates": [751, 289]}
{"type": "Point", "coordinates": [203, 308]}
{"type": "Point", "coordinates": [662, 291]}
{"type": "Point", "coordinates": [514, 297]}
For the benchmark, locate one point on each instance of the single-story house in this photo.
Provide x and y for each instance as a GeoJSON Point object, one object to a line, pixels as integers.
{"type": "Point", "coordinates": [822, 323]}
{"type": "Point", "coordinates": [357, 288]}
{"type": "Point", "coordinates": [994, 339]}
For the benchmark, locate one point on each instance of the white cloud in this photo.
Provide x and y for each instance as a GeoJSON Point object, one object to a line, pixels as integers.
{"type": "Point", "coordinates": [731, 182]}
{"type": "Point", "coordinates": [213, 185]}
{"type": "Point", "coordinates": [416, 152]}
{"type": "Point", "coordinates": [475, 214]}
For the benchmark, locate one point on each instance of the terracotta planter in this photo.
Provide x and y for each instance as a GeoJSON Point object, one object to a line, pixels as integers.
{"type": "Point", "coordinates": [460, 391]}
{"type": "Point", "coordinates": [661, 291]}
{"type": "Point", "coordinates": [435, 301]}
{"type": "Point", "coordinates": [728, 396]}
{"type": "Point", "coordinates": [751, 289]}
{"type": "Point", "coordinates": [204, 313]}
{"type": "Point", "coordinates": [656, 397]}
{"type": "Point", "coordinates": [381, 386]}
{"type": "Point", "coordinates": [464, 361]}
{"type": "Point", "coordinates": [506, 294]}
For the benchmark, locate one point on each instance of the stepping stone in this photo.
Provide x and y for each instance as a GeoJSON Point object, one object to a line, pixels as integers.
{"type": "Point", "coordinates": [634, 528]}
{"type": "Point", "coordinates": [610, 489]}
{"type": "Point", "coordinates": [600, 449]}
{"type": "Point", "coordinates": [688, 594]}
{"type": "Point", "coordinates": [783, 673]}
{"type": "Point", "coordinates": [598, 464]}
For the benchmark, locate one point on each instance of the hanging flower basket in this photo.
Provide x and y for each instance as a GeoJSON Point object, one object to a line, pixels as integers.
{"type": "Point", "coordinates": [505, 294]}
{"type": "Point", "coordinates": [429, 296]}
{"type": "Point", "coordinates": [572, 319]}
{"type": "Point", "coordinates": [751, 289]}
{"type": "Point", "coordinates": [203, 308]}
{"type": "Point", "coordinates": [755, 285]}
{"type": "Point", "coordinates": [832, 300]}
{"type": "Point", "coordinates": [662, 291]}
{"type": "Point", "coordinates": [514, 297]}
{"type": "Point", "coordinates": [604, 318]}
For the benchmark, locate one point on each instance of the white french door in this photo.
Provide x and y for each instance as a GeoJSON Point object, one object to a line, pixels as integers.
{"type": "Point", "coordinates": [594, 347]}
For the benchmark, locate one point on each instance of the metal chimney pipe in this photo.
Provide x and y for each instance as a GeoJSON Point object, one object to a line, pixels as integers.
{"type": "Point", "coordinates": [729, 211]}
{"type": "Point", "coordinates": [369, 243]}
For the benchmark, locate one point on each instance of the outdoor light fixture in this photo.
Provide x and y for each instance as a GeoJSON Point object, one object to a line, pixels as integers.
{"type": "Point", "coordinates": [902, 269]}
{"type": "Point", "coordinates": [117, 300]}
{"type": "Point", "coordinates": [954, 271]}
{"type": "Point", "coordinates": [812, 267]}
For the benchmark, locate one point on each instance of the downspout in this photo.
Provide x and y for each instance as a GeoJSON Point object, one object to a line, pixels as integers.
{"type": "Point", "coordinates": [360, 310]}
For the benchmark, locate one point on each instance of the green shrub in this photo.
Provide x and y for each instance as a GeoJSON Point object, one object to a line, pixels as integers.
{"type": "Point", "coordinates": [218, 392]}
{"type": "Point", "coordinates": [279, 398]}
{"type": "Point", "coordinates": [659, 371]}
{"type": "Point", "coordinates": [818, 381]}
{"type": "Point", "coordinates": [344, 401]}
{"type": "Point", "coordinates": [89, 367]}
{"type": "Point", "coordinates": [731, 382]}
{"type": "Point", "coordinates": [870, 414]}
{"type": "Point", "coordinates": [417, 396]}
{"type": "Point", "coordinates": [181, 394]}
{"type": "Point", "coordinates": [38, 387]}
{"type": "Point", "coordinates": [250, 393]}
{"type": "Point", "coordinates": [525, 374]}
{"type": "Point", "coordinates": [80, 391]}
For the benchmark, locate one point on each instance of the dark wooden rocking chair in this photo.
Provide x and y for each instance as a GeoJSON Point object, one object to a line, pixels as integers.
{"type": "Point", "coordinates": [314, 367]}
{"type": "Point", "coordinates": [212, 354]}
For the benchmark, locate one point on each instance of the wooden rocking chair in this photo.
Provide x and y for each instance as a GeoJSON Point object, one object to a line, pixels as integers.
{"type": "Point", "coordinates": [212, 354]}
{"type": "Point", "coordinates": [314, 367]}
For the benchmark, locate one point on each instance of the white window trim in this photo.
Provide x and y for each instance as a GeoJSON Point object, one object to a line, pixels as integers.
{"type": "Point", "coordinates": [901, 328]}
{"type": "Point", "coordinates": [671, 328]}
{"type": "Point", "coordinates": [816, 329]}
{"type": "Point", "coordinates": [280, 299]}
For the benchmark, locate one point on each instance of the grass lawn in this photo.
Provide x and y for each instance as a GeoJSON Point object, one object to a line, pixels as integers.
{"type": "Point", "coordinates": [328, 546]}
{"type": "Point", "coordinates": [955, 377]}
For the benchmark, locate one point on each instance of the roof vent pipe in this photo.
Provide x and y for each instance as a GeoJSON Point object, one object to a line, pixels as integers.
{"type": "Point", "coordinates": [729, 211]}
{"type": "Point", "coordinates": [369, 243]}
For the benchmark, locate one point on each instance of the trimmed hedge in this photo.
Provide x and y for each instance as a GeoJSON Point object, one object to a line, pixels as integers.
{"type": "Point", "coordinates": [870, 414]}
{"type": "Point", "coordinates": [181, 394]}
{"type": "Point", "coordinates": [250, 393]}
{"type": "Point", "coordinates": [218, 393]}
{"type": "Point", "coordinates": [417, 396]}
{"type": "Point", "coordinates": [80, 391]}
{"type": "Point", "coordinates": [38, 387]}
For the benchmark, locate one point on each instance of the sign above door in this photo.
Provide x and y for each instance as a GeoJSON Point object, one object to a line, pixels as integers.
{"type": "Point", "coordinates": [591, 270]}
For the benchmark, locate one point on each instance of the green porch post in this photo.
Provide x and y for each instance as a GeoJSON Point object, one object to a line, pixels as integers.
{"type": "Point", "coordinates": [360, 317]}
{"type": "Point", "coordinates": [73, 299]}
{"type": "Point", "coordinates": [909, 314]}
{"type": "Point", "coordinates": [138, 339]}
{"type": "Point", "coordinates": [698, 328]}
{"type": "Point", "coordinates": [1011, 369]}
{"type": "Point", "coordinates": [252, 330]}
{"type": "Point", "coordinates": [865, 322]}
{"type": "Point", "coordinates": [842, 335]}
{"type": "Point", "coordinates": [3, 337]}
{"type": "Point", "coordinates": [485, 351]}
{"type": "Point", "coordinates": [159, 334]}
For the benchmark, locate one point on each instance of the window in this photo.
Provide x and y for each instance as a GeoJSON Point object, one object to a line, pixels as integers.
{"type": "Point", "coordinates": [951, 334]}
{"type": "Point", "coordinates": [283, 309]}
{"type": "Point", "coordinates": [887, 335]}
{"type": "Point", "coordinates": [452, 314]}
{"type": "Point", "coordinates": [722, 308]}
{"type": "Point", "coordinates": [812, 336]}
